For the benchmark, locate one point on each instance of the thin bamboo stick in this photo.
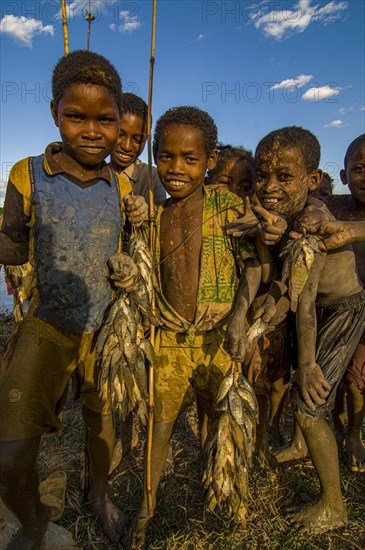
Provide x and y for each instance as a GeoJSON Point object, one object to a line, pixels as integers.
{"type": "Point", "coordinates": [64, 25]}
{"type": "Point", "coordinates": [151, 399]}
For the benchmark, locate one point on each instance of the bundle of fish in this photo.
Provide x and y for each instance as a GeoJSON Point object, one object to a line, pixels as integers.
{"type": "Point", "coordinates": [227, 453]}
{"type": "Point", "coordinates": [121, 346]}
{"type": "Point", "coordinates": [299, 258]}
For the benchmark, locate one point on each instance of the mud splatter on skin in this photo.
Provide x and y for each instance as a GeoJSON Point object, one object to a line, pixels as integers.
{"type": "Point", "coordinates": [282, 179]}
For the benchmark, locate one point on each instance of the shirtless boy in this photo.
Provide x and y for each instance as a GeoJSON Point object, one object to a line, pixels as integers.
{"type": "Point", "coordinates": [352, 208]}
{"type": "Point", "coordinates": [202, 294]}
{"type": "Point", "coordinates": [287, 169]}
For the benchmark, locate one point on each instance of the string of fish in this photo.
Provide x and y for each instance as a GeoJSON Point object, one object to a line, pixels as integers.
{"type": "Point", "coordinates": [122, 346]}
{"type": "Point", "coordinates": [227, 452]}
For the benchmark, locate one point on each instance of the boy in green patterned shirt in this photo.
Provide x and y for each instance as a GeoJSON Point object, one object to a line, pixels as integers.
{"type": "Point", "coordinates": [208, 282]}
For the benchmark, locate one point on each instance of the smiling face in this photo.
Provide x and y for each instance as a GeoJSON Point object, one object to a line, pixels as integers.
{"type": "Point", "coordinates": [131, 142]}
{"type": "Point", "coordinates": [182, 160]}
{"type": "Point", "coordinates": [354, 175]}
{"type": "Point", "coordinates": [238, 175]}
{"type": "Point", "coordinates": [282, 180]}
{"type": "Point", "coordinates": [88, 120]}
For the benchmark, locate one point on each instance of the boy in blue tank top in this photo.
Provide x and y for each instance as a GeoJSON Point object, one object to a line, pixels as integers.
{"type": "Point", "coordinates": [63, 214]}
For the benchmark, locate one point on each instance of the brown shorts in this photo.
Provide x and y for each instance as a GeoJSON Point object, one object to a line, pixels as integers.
{"type": "Point", "coordinates": [187, 366]}
{"type": "Point", "coordinates": [35, 370]}
{"type": "Point", "coordinates": [355, 372]}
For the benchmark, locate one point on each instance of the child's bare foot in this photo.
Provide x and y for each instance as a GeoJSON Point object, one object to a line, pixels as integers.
{"type": "Point", "coordinates": [113, 521]}
{"type": "Point", "coordinates": [319, 518]}
{"type": "Point", "coordinates": [291, 452]}
{"type": "Point", "coordinates": [355, 453]}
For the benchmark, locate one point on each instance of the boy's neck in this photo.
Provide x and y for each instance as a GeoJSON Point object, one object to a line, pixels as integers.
{"type": "Point", "coordinates": [196, 196]}
{"type": "Point", "coordinates": [77, 170]}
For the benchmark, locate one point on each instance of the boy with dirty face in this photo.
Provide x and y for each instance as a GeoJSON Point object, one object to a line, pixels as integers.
{"type": "Point", "coordinates": [330, 314]}
{"type": "Point", "coordinates": [203, 301]}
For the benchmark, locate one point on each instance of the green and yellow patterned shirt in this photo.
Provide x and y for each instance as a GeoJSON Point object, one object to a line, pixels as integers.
{"type": "Point", "coordinates": [221, 260]}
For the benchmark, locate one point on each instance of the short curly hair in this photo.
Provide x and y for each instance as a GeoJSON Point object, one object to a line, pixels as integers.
{"type": "Point", "coordinates": [353, 147]}
{"type": "Point", "coordinates": [85, 67]}
{"type": "Point", "coordinates": [227, 153]}
{"type": "Point", "coordinates": [134, 105]}
{"type": "Point", "coordinates": [192, 116]}
{"type": "Point", "coordinates": [294, 136]}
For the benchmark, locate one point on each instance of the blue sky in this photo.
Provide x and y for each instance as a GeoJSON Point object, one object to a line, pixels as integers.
{"type": "Point", "coordinates": [254, 66]}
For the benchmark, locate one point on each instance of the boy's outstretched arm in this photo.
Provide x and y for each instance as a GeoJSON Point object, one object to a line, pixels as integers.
{"type": "Point", "coordinates": [308, 376]}
{"type": "Point", "coordinates": [335, 234]}
{"type": "Point", "coordinates": [236, 338]}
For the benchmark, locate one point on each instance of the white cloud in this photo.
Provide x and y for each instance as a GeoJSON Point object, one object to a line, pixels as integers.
{"type": "Point", "coordinates": [300, 81]}
{"type": "Point", "coordinates": [322, 92]}
{"type": "Point", "coordinates": [280, 24]}
{"type": "Point", "coordinates": [345, 110]}
{"type": "Point", "coordinates": [334, 124]}
{"type": "Point", "coordinates": [362, 108]}
{"type": "Point", "coordinates": [23, 30]}
{"type": "Point", "coordinates": [130, 21]}
{"type": "Point", "coordinates": [200, 37]}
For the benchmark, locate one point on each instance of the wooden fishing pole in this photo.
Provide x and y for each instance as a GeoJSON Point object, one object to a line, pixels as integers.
{"type": "Point", "coordinates": [151, 397]}
{"type": "Point", "coordinates": [64, 25]}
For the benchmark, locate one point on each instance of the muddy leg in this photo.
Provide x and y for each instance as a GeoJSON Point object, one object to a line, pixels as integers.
{"type": "Point", "coordinates": [339, 415]}
{"type": "Point", "coordinates": [100, 441]}
{"type": "Point", "coordinates": [277, 401]}
{"type": "Point", "coordinates": [354, 445]}
{"type": "Point", "coordinates": [296, 449]}
{"type": "Point", "coordinates": [329, 512]}
{"type": "Point", "coordinates": [19, 491]}
{"type": "Point", "coordinates": [162, 432]}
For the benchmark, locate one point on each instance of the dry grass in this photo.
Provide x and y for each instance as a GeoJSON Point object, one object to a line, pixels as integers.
{"type": "Point", "coordinates": [182, 522]}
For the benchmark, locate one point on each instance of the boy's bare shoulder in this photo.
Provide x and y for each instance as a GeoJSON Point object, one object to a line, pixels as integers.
{"type": "Point", "coordinates": [340, 206]}
{"type": "Point", "coordinates": [314, 211]}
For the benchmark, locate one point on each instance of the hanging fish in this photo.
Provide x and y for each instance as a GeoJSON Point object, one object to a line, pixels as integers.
{"type": "Point", "coordinates": [299, 257]}
{"type": "Point", "coordinates": [227, 453]}
{"type": "Point", "coordinates": [121, 346]}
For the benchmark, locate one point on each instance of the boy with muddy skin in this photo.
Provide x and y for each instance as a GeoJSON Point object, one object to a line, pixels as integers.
{"type": "Point", "coordinates": [203, 302]}
{"type": "Point", "coordinates": [352, 208]}
{"type": "Point", "coordinates": [267, 363]}
{"type": "Point", "coordinates": [64, 212]}
{"type": "Point", "coordinates": [330, 315]}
